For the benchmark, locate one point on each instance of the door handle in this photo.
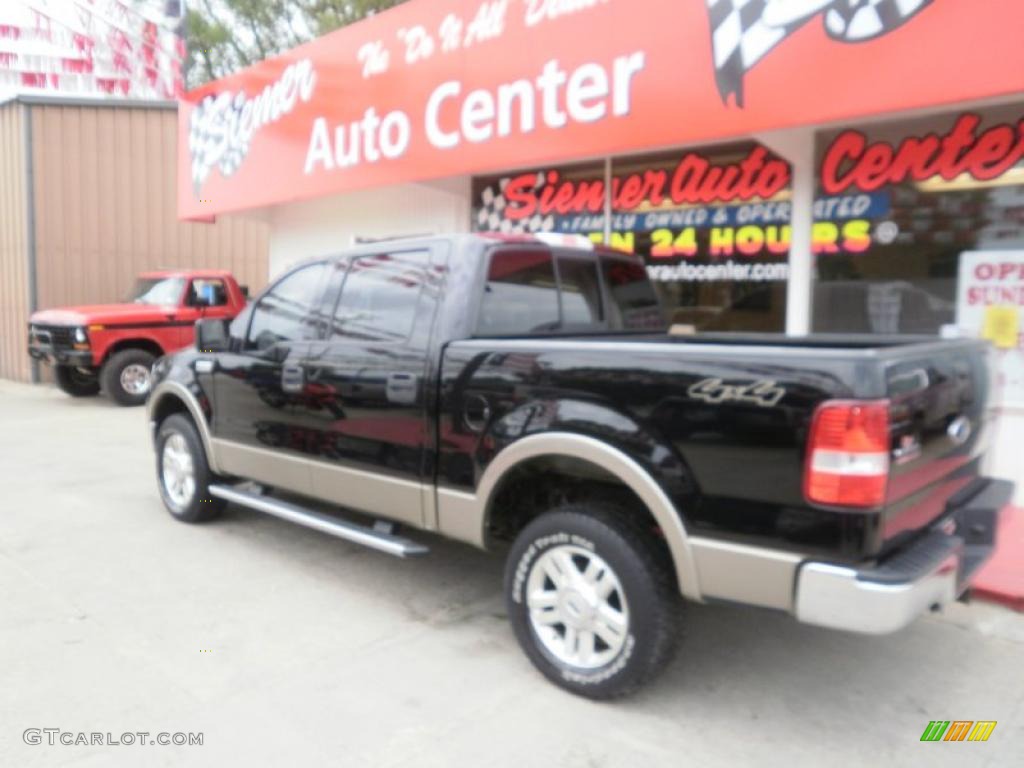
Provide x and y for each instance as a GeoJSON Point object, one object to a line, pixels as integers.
{"type": "Point", "coordinates": [293, 378]}
{"type": "Point", "coordinates": [402, 388]}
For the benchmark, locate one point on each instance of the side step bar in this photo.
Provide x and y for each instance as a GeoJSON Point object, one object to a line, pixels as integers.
{"type": "Point", "coordinates": [293, 513]}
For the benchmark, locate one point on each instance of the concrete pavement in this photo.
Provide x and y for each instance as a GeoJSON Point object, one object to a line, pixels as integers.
{"type": "Point", "coordinates": [286, 647]}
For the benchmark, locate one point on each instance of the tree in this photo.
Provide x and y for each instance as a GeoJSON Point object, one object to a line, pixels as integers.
{"type": "Point", "coordinates": [222, 36]}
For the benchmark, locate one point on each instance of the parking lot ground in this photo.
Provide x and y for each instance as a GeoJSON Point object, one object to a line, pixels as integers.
{"type": "Point", "coordinates": [289, 648]}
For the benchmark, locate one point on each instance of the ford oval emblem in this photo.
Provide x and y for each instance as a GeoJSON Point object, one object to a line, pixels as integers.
{"type": "Point", "coordinates": [959, 430]}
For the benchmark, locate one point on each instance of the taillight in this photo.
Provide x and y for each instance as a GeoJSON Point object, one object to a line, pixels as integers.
{"type": "Point", "coordinates": [848, 454]}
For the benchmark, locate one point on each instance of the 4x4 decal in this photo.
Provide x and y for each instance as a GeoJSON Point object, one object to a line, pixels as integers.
{"type": "Point", "coordinates": [765, 393]}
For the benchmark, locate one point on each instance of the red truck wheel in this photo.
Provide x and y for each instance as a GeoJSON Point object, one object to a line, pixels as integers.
{"type": "Point", "coordinates": [72, 381]}
{"type": "Point", "coordinates": [127, 377]}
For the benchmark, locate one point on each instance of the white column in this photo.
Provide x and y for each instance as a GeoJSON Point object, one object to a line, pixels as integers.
{"type": "Point", "coordinates": [797, 146]}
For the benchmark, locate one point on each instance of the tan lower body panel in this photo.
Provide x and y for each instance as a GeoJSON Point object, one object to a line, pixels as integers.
{"type": "Point", "coordinates": [271, 467]}
{"type": "Point", "coordinates": [459, 516]}
{"type": "Point", "coordinates": [745, 574]}
{"type": "Point", "coordinates": [726, 571]}
{"type": "Point", "coordinates": [368, 492]}
{"type": "Point", "coordinates": [374, 494]}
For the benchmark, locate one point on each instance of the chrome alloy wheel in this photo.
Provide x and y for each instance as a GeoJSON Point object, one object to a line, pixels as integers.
{"type": "Point", "coordinates": [577, 607]}
{"type": "Point", "coordinates": [135, 379]}
{"type": "Point", "coordinates": [178, 473]}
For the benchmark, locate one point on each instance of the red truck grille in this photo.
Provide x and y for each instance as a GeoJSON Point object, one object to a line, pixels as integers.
{"type": "Point", "coordinates": [57, 336]}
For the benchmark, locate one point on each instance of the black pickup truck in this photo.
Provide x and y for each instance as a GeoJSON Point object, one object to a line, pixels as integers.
{"type": "Point", "coordinates": [524, 395]}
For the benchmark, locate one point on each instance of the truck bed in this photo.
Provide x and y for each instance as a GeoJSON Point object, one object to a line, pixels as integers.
{"type": "Point", "coordinates": [734, 458]}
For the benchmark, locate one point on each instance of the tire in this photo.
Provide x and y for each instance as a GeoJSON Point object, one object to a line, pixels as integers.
{"type": "Point", "coordinates": [179, 452]}
{"type": "Point", "coordinates": [121, 370]}
{"type": "Point", "coordinates": [71, 381]}
{"type": "Point", "coordinates": [642, 599]}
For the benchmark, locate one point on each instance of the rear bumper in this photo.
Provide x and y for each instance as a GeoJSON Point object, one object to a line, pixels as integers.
{"type": "Point", "coordinates": [936, 569]}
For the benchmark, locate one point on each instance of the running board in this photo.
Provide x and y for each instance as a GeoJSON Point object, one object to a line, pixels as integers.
{"type": "Point", "coordinates": [293, 513]}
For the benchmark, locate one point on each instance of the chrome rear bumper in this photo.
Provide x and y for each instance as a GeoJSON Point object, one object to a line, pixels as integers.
{"type": "Point", "coordinates": [931, 573]}
{"type": "Point", "coordinates": [833, 596]}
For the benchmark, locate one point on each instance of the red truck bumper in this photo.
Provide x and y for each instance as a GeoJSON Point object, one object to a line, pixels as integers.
{"type": "Point", "coordinates": [57, 355]}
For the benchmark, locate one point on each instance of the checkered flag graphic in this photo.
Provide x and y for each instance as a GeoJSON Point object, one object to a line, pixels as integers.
{"type": "Point", "coordinates": [211, 143]}
{"type": "Point", "coordinates": [744, 31]}
{"type": "Point", "coordinates": [490, 216]}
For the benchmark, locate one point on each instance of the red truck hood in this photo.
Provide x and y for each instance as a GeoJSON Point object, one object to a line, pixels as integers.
{"type": "Point", "coordinates": [103, 313]}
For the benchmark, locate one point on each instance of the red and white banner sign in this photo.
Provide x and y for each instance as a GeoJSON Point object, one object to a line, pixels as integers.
{"type": "Point", "coordinates": [990, 304]}
{"type": "Point", "coordinates": [437, 88]}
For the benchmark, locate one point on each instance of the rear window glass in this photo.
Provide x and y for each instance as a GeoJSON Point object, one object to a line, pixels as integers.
{"type": "Point", "coordinates": [634, 304]}
{"type": "Point", "coordinates": [521, 294]}
{"type": "Point", "coordinates": [581, 291]}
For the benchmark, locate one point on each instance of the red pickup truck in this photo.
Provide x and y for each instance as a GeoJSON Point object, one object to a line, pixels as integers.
{"type": "Point", "coordinates": [113, 346]}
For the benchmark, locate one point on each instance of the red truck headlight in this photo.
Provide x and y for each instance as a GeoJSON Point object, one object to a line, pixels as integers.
{"type": "Point", "coordinates": [848, 454]}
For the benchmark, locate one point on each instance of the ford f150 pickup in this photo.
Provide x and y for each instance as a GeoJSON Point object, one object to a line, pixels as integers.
{"type": "Point", "coordinates": [522, 395]}
{"type": "Point", "coordinates": [114, 345]}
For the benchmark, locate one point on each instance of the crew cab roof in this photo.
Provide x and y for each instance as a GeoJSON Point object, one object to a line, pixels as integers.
{"type": "Point", "coordinates": [488, 239]}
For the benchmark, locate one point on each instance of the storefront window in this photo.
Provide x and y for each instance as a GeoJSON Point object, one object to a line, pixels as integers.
{"type": "Point", "coordinates": [897, 206]}
{"type": "Point", "coordinates": [712, 226]}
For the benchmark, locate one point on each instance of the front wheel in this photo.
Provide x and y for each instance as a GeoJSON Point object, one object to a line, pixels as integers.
{"type": "Point", "coordinates": [591, 598]}
{"type": "Point", "coordinates": [183, 473]}
{"type": "Point", "coordinates": [73, 381]}
{"type": "Point", "coordinates": [127, 376]}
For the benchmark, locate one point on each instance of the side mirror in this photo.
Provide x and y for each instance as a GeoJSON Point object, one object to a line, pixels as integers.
{"type": "Point", "coordinates": [245, 291]}
{"type": "Point", "coordinates": [211, 335]}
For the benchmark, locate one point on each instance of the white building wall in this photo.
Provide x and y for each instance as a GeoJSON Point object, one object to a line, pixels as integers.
{"type": "Point", "coordinates": [327, 225]}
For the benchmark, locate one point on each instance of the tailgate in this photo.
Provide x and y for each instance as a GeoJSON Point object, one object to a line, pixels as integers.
{"type": "Point", "coordinates": [941, 418]}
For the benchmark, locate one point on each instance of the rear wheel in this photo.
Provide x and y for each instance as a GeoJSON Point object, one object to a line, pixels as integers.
{"type": "Point", "coordinates": [183, 473]}
{"type": "Point", "coordinates": [76, 382]}
{"type": "Point", "coordinates": [126, 376]}
{"type": "Point", "coordinates": [591, 599]}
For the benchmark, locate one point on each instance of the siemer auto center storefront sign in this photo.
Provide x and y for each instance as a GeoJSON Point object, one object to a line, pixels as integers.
{"type": "Point", "coordinates": [437, 88]}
